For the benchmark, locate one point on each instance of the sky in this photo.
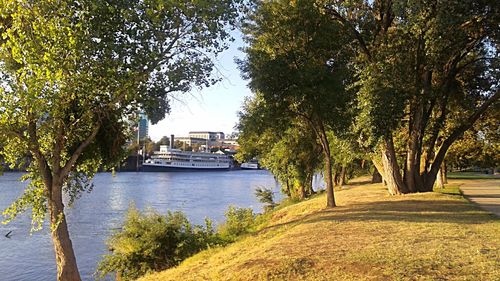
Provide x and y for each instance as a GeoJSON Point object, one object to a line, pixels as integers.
{"type": "Point", "coordinates": [210, 109]}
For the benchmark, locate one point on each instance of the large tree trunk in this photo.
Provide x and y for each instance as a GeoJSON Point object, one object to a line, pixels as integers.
{"type": "Point", "coordinates": [309, 182]}
{"type": "Point", "coordinates": [376, 177]}
{"type": "Point", "coordinates": [342, 176]}
{"type": "Point", "coordinates": [412, 165]}
{"type": "Point", "coordinates": [392, 172]}
{"type": "Point", "coordinates": [300, 189]}
{"type": "Point", "coordinates": [444, 169]}
{"type": "Point", "coordinates": [379, 167]}
{"type": "Point", "coordinates": [325, 144]}
{"type": "Point", "coordinates": [439, 179]}
{"type": "Point", "coordinates": [330, 196]}
{"type": "Point", "coordinates": [67, 268]}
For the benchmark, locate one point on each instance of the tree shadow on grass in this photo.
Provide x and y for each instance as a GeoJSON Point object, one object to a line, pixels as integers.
{"type": "Point", "coordinates": [483, 196]}
{"type": "Point", "coordinates": [412, 211]}
{"type": "Point", "coordinates": [422, 211]}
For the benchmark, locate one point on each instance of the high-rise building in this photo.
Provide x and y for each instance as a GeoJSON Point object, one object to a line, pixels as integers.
{"type": "Point", "coordinates": [143, 126]}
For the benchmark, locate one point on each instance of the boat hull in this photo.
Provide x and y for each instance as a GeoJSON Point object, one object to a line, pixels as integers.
{"type": "Point", "coordinates": [157, 168]}
{"type": "Point", "coordinates": [249, 168]}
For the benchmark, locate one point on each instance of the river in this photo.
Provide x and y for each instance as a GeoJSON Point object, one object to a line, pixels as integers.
{"type": "Point", "coordinates": [97, 214]}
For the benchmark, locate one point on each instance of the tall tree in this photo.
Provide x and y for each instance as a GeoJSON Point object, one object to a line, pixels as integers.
{"type": "Point", "coordinates": [73, 72]}
{"type": "Point", "coordinates": [419, 62]}
{"type": "Point", "coordinates": [272, 138]}
{"type": "Point", "coordinates": [296, 59]}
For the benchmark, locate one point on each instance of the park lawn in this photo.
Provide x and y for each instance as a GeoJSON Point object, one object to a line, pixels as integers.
{"type": "Point", "coordinates": [471, 175]}
{"type": "Point", "coordinates": [369, 236]}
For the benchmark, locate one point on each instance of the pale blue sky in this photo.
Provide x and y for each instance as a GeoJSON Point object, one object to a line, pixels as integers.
{"type": "Point", "coordinates": [213, 108]}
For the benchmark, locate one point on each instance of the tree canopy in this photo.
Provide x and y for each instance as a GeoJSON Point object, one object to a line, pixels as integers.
{"type": "Point", "coordinates": [420, 66]}
{"type": "Point", "coordinates": [297, 61]}
{"type": "Point", "coordinates": [73, 73]}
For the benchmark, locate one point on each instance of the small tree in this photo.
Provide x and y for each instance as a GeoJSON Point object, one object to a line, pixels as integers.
{"type": "Point", "coordinates": [298, 61]}
{"type": "Point", "coordinates": [265, 196]}
{"type": "Point", "coordinates": [272, 139]}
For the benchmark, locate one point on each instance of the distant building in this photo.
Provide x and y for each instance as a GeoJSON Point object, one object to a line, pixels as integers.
{"type": "Point", "coordinates": [190, 140]}
{"type": "Point", "coordinates": [233, 142]}
{"type": "Point", "coordinates": [143, 126]}
{"type": "Point", "coordinates": [211, 136]}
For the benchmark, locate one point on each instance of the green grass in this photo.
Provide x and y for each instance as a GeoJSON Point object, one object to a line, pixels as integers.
{"type": "Point", "coordinates": [450, 189]}
{"type": "Point", "coordinates": [471, 175]}
{"type": "Point", "coordinates": [369, 236]}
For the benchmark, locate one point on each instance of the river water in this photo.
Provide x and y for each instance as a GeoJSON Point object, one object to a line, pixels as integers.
{"type": "Point", "coordinates": [96, 214]}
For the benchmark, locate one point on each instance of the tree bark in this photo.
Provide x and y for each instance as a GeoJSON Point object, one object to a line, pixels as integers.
{"type": "Point", "coordinates": [392, 172]}
{"type": "Point", "coordinates": [335, 176]}
{"type": "Point", "coordinates": [342, 176]}
{"type": "Point", "coordinates": [287, 190]}
{"type": "Point", "coordinates": [379, 167]}
{"type": "Point", "coordinates": [309, 181]}
{"type": "Point", "coordinates": [412, 165]}
{"type": "Point", "coordinates": [439, 180]}
{"type": "Point", "coordinates": [330, 196]}
{"type": "Point", "coordinates": [300, 189]}
{"type": "Point", "coordinates": [325, 144]}
{"type": "Point", "coordinates": [376, 177]}
{"type": "Point", "coordinates": [67, 268]}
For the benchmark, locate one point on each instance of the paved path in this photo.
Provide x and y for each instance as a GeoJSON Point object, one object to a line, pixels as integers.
{"type": "Point", "coordinates": [484, 193]}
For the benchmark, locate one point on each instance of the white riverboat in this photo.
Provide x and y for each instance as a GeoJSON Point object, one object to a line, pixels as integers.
{"type": "Point", "coordinates": [170, 160]}
{"type": "Point", "coordinates": [250, 165]}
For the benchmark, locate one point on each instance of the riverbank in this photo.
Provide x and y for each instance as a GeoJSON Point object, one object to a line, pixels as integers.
{"type": "Point", "coordinates": [370, 236]}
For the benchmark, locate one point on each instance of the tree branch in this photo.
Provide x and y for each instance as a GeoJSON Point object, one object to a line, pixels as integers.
{"type": "Point", "coordinates": [72, 161]}
{"type": "Point", "coordinates": [34, 147]}
{"type": "Point", "coordinates": [58, 146]}
{"type": "Point", "coordinates": [460, 130]}
{"type": "Point", "coordinates": [344, 22]}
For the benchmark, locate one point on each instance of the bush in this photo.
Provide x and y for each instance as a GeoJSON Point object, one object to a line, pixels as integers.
{"type": "Point", "coordinates": [152, 242]}
{"type": "Point", "coordinates": [239, 221]}
{"type": "Point", "coordinates": [265, 196]}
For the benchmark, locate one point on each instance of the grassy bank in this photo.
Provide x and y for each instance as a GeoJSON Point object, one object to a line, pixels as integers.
{"type": "Point", "coordinates": [370, 236]}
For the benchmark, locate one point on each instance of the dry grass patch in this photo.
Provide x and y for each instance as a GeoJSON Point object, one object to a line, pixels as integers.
{"type": "Point", "coordinates": [370, 236]}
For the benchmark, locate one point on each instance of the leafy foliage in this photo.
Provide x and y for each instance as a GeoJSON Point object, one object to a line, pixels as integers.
{"type": "Point", "coordinates": [272, 138]}
{"type": "Point", "coordinates": [265, 196]}
{"type": "Point", "coordinates": [239, 221]}
{"type": "Point", "coordinates": [75, 72]}
{"type": "Point", "coordinates": [298, 66]}
{"type": "Point", "coordinates": [152, 242]}
{"type": "Point", "coordinates": [74, 76]}
{"type": "Point", "coordinates": [479, 146]}
{"type": "Point", "coordinates": [425, 72]}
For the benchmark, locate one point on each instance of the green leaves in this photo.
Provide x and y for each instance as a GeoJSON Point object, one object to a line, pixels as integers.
{"type": "Point", "coordinates": [297, 60]}
{"type": "Point", "coordinates": [74, 72]}
{"type": "Point", "coordinates": [150, 242]}
{"type": "Point", "coordinates": [33, 198]}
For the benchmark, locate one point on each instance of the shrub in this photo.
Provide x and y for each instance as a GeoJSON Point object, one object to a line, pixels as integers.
{"type": "Point", "coordinates": [238, 221]}
{"type": "Point", "coordinates": [153, 242]}
{"type": "Point", "coordinates": [265, 196]}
